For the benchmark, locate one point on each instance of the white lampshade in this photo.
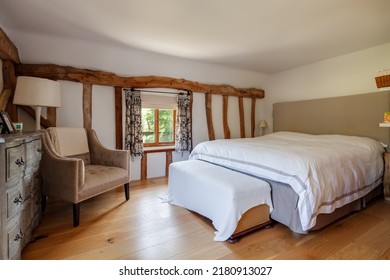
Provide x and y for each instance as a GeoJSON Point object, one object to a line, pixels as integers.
{"type": "Point", "coordinates": [263, 124]}
{"type": "Point", "coordinates": [37, 92]}
{"type": "Point", "coordinates": [32, 91]}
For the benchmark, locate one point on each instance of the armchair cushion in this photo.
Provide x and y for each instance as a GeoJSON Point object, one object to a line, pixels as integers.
{"type": "Point", "coordinates": [99, 179]}
{"type": "Point", "coordinates": [70, 142]}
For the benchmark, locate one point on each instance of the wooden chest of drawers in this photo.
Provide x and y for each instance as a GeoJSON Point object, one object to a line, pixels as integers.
{"type": "Point", "coordinates": [20, 207]}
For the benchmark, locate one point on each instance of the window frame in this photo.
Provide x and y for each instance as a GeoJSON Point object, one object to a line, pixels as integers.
{"type": "Point", "coordinates": [157, 142]}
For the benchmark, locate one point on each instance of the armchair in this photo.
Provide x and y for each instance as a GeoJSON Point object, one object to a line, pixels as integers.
{"type": "Point", "coordinates": [75, 166]}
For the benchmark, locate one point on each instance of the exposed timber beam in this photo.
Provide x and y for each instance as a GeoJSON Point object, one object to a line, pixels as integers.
{"type": "Point", "coordinates": [87, 105]}
{"type": "Point", "coordinates": [226, 130]}
{"type": "Point", "coordinates": [86, 76]}
{"type": "Point", "coordinates": [253, 117]}
{"type": "Point", "coordinates": [209, 116]}
{"type": "Point", "coordinates": [8, 51]}
{"type": "Point", "coordinates": [51, 115]}
{"type": "Point", "coordinates": [9, 82]}
{"type": "Point", "coordinates": [118, 118]}
{"type": "Point", "coordinates": [242, 116]}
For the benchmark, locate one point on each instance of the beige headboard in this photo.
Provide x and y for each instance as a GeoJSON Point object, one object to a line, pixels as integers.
{"type": "Point", "coordinates": [358, 115]}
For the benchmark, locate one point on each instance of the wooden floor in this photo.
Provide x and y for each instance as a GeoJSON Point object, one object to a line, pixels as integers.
{"type": "Point", "coordinates": [146, 228]}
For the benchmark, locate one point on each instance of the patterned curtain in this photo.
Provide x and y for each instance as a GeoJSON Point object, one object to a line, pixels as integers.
{"type": "Point", "coordinates": [133, 138]}
{"type": "Point", "coordinates": [183, 134]}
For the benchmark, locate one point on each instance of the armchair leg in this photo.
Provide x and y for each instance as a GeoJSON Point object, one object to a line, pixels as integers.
{"type": "Point", "coordinates": [76, 214]}
{"type": "Point", "coordinates": [127, 191]}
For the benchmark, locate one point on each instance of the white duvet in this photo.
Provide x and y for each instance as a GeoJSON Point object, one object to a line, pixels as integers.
{"type": "Point", "coordinates": [326, 171]}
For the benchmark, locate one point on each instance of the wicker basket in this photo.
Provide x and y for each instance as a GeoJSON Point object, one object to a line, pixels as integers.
{"type": "Point", "coordinates": [382, 81]}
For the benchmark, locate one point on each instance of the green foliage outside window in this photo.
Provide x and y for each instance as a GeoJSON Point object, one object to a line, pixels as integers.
{"type": "Point", "coordinates": [165, 125]}
{"type": "Point", "coordinates": [148, 121]}
{"type": "Point", "coordinates": [164, 118]}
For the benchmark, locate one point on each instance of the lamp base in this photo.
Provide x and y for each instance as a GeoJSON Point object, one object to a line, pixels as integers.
{"type": "Point", "coordinates": [38, 110]}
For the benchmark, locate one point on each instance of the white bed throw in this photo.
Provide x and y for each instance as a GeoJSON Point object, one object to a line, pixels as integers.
{"type": "Point", "coordinates": [326, 171]}
{"type": "Point", "coordinates": [215, 192]}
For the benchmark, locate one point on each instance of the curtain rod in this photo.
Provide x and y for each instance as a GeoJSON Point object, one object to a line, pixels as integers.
{"type": "Point", "coordinates": [158, 91]}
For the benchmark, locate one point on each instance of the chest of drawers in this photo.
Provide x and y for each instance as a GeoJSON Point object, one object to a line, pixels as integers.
{"type": "Point", "coordinates": [20, 207]}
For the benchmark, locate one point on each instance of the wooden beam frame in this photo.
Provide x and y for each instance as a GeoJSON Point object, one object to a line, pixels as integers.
{"type": "Point", "coordinates": [87, 105]}
{"type": "Point", "coordinates": [8, 51]}
{"type": "Point", "coordinates": [118, 118]}
{"type": "Point", "coordinates": [226, 130]}
{"type": "Point", "coordinates": [144, 161]}
{"type": "Point", "coordinates": [144, 166]}
{"type": "Point", "coordinates": [191, 103]}
{"type": "Point", "coordinates": [253, 117]}
{"type": "Point", "coordinates": [9, 81]}
{"type": "Point", "coordinates": [242, 116]}
{"type": "Point", "coordinates": [86, 76]}
{"type": "Point", "coordinates": [168, 161]}
{"type": "Point", "coordinates": [51, 115]}
{"type": "Point", "coordinates": [4, 97]}
{"type": "Point", "coordinates": [209, 116]}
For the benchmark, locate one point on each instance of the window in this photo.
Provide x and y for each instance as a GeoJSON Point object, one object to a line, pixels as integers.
{"type": "Point", "coordinates": [158, 126]}
{"type": "Point", "coordinates": [158, 119]}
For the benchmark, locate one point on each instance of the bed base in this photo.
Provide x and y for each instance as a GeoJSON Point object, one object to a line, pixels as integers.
{"type": "Point", "coordinates": [258, 218]}
{"type": "Point", "coordinates": [357, 205]}
{"type": "Point", "coordinates": [285, 212]}
{"type": "Point", "coordinates": [254, 219]}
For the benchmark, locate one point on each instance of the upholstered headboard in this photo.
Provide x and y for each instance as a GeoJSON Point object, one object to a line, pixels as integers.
{"type": "Point", "coordinates": [358, 115]}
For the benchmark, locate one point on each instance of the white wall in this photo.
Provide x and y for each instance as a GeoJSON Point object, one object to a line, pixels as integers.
{"type": "Point", "coordinates": [71, 111]}
{"type": "Point", "coordinates": [103, 114]}
{"type": "Point", "coordinates": [125, 61]}
{"type": "Point", "coordinates": [121, 61]}
{"type": "Point", "coordinates": [344, 75]}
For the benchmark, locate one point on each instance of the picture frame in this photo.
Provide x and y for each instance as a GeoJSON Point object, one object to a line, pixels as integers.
{"type": "Point", "coordinates": [7, 124]}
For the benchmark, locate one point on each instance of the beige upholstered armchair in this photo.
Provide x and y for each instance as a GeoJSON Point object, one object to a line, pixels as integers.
{"type": "Point", "coordinates": [75, 167]}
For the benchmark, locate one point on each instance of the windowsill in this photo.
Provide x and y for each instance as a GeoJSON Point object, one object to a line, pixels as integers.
{"type": "Point", "coordinates": [162, 148]}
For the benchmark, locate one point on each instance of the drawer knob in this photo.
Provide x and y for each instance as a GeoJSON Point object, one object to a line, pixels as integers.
{"type": "Point", "coordinates": [19, 162]}
{"type": "Point", "coordinates": [19, 236]}
{"type": "Point", "coordinates": [18, 199]}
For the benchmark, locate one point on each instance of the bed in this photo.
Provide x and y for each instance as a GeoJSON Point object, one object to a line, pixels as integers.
{"type": "Point", "coordinates": [326, 172]}
{"type": "Point", "coordinates": [356, 115]}
{"type": "Point", "coordinates": [309, 199]}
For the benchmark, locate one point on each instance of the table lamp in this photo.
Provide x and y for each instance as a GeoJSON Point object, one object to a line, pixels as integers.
{"type": "Point", "coordinates": [37, 92]}
{"type": "Point", "coordinates": [263, 125]}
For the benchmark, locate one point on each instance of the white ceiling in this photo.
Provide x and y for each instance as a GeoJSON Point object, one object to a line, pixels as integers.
{"type": "Point", "coordinates": [259, 35]}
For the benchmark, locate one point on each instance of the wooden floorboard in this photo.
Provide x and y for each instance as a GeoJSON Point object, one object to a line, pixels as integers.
{"type": "Point", "coordinates": [145, 228]}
